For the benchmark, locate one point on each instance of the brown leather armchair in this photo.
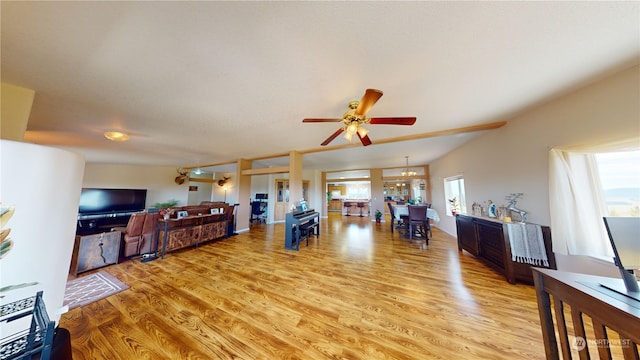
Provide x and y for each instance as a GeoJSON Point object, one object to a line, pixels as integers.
{"type": "Point", "coordinates": [132, 234]}
{"type": "Point", "coordinates": [147, 243]}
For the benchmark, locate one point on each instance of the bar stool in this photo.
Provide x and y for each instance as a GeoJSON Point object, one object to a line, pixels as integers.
{"type": "Point", "coordinates": [360, 207]}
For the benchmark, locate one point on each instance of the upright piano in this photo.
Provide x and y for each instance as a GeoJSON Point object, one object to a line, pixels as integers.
{"type": "Point", "coordinates": [299, 225]}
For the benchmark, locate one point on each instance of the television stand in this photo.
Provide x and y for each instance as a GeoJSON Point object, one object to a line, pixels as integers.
{"type": "Point", "coordinates": [95, 251]}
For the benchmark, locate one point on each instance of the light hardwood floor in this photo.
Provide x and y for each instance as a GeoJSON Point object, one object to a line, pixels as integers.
{"type": "Point", "coordinates": [357, 292]}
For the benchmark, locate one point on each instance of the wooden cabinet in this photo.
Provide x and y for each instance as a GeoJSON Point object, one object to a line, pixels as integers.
{"type": "Point", "coordinates": [94, 251]}
{"type": "Point", "coordinates": [489, 241]}
{"type": "Point", "coordinates": [341, 189]}
{"type": "Point", "coordinates": [335, 205]}
{"type": "Point", "coordinates": [491, 237]}
{"type": "Point", "coordinates": [467, 238]}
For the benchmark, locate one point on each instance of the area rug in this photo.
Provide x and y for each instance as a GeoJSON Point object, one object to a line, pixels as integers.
{"type": "Point", "coordinates": [87, 289]}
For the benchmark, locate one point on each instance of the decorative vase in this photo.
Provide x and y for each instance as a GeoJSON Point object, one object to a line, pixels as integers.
{"type": "Point", "coordinates": [166, 216]}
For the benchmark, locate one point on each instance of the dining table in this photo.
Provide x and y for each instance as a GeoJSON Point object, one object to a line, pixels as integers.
{"type": "Point", "coordinates": [403, 210]}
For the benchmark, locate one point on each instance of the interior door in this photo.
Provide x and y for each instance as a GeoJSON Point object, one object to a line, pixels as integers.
{"type": "Point", "coordinates": [282, 199]}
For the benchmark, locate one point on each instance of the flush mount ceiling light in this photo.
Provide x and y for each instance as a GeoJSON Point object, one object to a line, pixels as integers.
{"type": "Point", "coordinates": [116, 136]}
{"type": "Point", "coordinates": [407, 171]}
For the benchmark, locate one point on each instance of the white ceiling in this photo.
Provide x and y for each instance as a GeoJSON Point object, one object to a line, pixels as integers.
{"type": "Point", "coordinates": [210, 82]}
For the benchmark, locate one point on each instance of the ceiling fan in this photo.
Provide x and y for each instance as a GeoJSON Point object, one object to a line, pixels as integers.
{"type": "Point", "coordinates": [355, 117]}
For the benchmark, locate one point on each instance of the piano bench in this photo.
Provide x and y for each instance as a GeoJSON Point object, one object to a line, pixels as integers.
{"type": "Point", "coordinates": [307, 230]}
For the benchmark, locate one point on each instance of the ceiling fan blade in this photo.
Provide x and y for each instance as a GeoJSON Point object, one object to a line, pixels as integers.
{"type": "Point", "coordinates": [330, 138]}
{"type": "Point", "coordinates": [370, 97]}
{"type": "Point", "coordinates": [393, 121]}
{"type": "Point", "coordinates": [364, 139]}
{"type": "Point", "coordinates": [320, 120]}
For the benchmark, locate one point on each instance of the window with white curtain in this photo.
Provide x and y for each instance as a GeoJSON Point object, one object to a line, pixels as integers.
{"type": "Point", "coordinates": [577, 195]}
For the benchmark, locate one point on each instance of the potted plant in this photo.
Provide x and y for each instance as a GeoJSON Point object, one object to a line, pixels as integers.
{"type": "Point", "coordinates": [165, 208]}
{"type": "Point", "coordinates": [455, 206]}
{"type": "Point", "coordinates": [378, 216]}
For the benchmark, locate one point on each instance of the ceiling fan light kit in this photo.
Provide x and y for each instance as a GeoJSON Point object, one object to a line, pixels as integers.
{"type": "Point", "coordinates": [355, 117]}
{"type": "Point", "coordinates": [116, 136]}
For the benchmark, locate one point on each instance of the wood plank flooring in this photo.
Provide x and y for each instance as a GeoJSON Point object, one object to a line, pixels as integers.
{"type": "Point", "coordinates": [356, 292]}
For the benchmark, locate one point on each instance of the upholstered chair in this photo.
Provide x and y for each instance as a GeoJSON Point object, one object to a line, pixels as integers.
{"type": "Point", "coordinates": [132, 234]}
{"type": "Point", "coordinates": [147, 244]}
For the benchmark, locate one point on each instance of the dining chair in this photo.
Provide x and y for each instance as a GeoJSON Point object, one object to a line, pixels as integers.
{"type": "Point", "coordinates": [418, 222]}
{"type": "Point", "coordinates": [393, 217]}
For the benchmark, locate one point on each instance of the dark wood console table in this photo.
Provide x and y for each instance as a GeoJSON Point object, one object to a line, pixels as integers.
{"type": "Point", "coordinates": [609, 312]}
{"type": "Point", "coordinates": [488, 240]}
{"type": "Point", "coordinates": [189, 231]}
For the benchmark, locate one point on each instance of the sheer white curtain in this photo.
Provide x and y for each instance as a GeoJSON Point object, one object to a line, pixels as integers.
{"type": "Point", "coordinates": [575, 198]}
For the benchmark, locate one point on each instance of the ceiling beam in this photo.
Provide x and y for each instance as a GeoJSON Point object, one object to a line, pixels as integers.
{"type": "Point", "coordinates": [207, 165]}
{"type": "Point", "coordinates": [461, 130]}
{"type": "Point", "coordinates": [265, 171]}
{"type": "Point", "coordinates": [203, 180]}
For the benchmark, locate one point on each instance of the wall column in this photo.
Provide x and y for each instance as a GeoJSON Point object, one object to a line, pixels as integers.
{"type": "Point", "coordinates": [427, 180]}
{"type": "Point", "coordinates": [377, 192]}
{"type": "Point", "coordinates": [295, 178]}
{"type": "Point", "coordinates": [16, 109]}
{"type": "Point", "coordinates": [243, 214]}
{"type": "Point", "coordinates": [325, 202]}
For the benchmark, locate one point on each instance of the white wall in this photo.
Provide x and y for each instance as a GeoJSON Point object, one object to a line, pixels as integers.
{"type": "Point", "coordinates": [41, 228]}
{"type": "Point", "coordinates": [514, 158]}
{"type": "Point", "coordinates": [158, 180]}
{"type": "Point", "coordinates": [203, 193]}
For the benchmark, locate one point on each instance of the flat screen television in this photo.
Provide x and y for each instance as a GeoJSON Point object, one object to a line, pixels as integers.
{"type": "Point", "coordinates": [111, 201]}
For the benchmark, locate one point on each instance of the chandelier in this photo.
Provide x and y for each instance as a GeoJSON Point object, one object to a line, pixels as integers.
{"type": "Point", "coordinates": [407, 171]}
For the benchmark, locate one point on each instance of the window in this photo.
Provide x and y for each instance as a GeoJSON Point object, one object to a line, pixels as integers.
{"type": "Point", "coordinates": [358, 190]}
{"type": "Point", "coordinates": [620, 179]}
{"type": "Point", "coordinates": [579, 178]}
{"type": "Point", "coordinates": [454, 193]}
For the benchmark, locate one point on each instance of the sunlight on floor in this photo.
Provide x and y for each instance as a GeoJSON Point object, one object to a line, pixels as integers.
{"type": "Point", "coordinates": [358, 241]}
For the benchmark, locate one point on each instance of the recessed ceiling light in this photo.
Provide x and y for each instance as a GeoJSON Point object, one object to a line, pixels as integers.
{"type": "Point", "coordinates": [116, 136]}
